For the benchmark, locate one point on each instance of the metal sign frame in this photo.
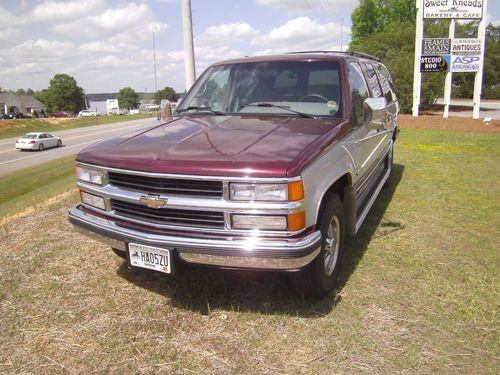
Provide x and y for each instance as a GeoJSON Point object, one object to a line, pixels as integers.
{"type": "Point", "coordinates": [445, 9]}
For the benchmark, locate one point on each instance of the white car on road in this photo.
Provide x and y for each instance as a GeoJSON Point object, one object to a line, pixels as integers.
{"type": "Point", "coordinates": [37, 141]}
{"type": "Point", "coordinates": [87, 113]}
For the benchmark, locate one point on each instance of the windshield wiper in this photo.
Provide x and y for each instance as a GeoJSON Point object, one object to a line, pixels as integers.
{"type": "Point", "coordinates": [270, 105]}
{"type": "Point", "coordinates": [202, 109]}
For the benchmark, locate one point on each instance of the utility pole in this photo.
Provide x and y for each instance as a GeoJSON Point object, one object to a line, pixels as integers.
{"type": "Point", "coordinates": [187, 25]}
{"type": "Point", "coordinates": [156, 82]}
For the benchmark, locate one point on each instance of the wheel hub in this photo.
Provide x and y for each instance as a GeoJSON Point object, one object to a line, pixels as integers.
{"type": "Point", "coordinates": [332, 243]}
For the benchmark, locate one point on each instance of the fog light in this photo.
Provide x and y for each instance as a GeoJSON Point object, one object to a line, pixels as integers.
{"type": "Point", "coordinates": [259, 222]}
{"type": "Point", "coordinates": [93, 200]}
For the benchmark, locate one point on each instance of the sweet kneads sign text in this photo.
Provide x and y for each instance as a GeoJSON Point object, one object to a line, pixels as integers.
{"type": "Point", "coordinates": [460, 9]}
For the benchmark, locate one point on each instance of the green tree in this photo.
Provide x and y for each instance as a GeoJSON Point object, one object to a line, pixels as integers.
{"type": "Point", "coordinates": [20, 92]}
{"type": "Point", "coordinates": [463, 83]}
{"type": "Point", "coordinates": [373, 16]}
{"type": "Point", "coordinates": [63, 94]}
{"type": "Point", "coordinates": [128, 98]}
{"type": "Point", "coordinates": [43, 96]}
{"type": "Point", "coordinates": [167, 93]}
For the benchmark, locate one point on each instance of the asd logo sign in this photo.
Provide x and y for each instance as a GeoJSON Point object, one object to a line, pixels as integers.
{"type": "Point", "coordinates": [465, 63]}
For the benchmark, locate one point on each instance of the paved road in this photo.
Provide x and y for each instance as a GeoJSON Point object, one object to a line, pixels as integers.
{"type": "Point", "coordinates": [74, 140]}
{"type": "Point", "coordinates": [488, 108]}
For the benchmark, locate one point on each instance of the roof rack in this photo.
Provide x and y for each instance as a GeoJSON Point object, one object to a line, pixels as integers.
{"type": "Point", "coordinates": [352, 53]}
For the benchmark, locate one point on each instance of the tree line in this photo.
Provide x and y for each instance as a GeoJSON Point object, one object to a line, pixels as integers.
{"type": "Point", "coordinates": [64, 94]}
{"type": "Point", "coordinates": [386, 29]}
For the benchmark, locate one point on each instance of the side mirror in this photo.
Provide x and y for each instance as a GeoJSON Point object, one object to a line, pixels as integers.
{"type": "Point", "coordinates": [375, 113]}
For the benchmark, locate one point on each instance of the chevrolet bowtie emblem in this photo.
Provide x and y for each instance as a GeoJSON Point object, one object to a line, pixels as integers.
{"type": "Point", "coordinates": [153, 201]}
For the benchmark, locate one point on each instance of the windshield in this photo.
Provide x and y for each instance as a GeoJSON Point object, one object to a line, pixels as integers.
{"type": "Point", "coordinates": [285, 88]}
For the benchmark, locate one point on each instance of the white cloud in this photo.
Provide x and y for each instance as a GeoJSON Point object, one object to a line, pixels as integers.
{"type": "Point", "coordinates": [132, 19]}
{"type": "Point", "coordinates": [302, 33]}
{"type": "Point", "coordinates": [64, 11]}
{"type": "Point", "coordinates": [8, 33]}
{"type": "Point", "coordinates": [331, 7]}
{"type": "Point", "coordinates": [8, 19]}
{"type": "Point", "coordinates": [226, 33]}
{"type": "Point", "coordinates": [99, 46]}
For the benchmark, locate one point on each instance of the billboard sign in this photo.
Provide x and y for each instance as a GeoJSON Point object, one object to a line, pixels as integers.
{"type": "Point", "coordinates": [466, 47]}
{"type": "Point", "coordinates": [459, 9]}
{"type": "Point", "coordinates": [434, 63]}
{"type": "Point", "coordinates": [466, 55]}
{"type": "Point", "coordinates": [436, 46]}
{"type": "Point", "coordinates": [465, 63]}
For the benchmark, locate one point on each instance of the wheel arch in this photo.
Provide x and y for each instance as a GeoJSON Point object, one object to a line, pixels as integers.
{"type": "Point", "coordinates": [337, 187]}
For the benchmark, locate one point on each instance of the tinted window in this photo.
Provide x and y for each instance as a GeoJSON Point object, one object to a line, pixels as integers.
{"type": "Point", "coordinates": [359, 92]}
{"type": "Point", "coordinates": [386, 82]}
{"type": "Point", "coordinates": [371, 76]}
{"type": "Point", "coordinates": [261, 88]}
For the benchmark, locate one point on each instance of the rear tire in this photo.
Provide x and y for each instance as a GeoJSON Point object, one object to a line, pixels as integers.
{"type": "Point", "coordinates": [41, 147]}
{"type": "Point", "coordinates": [317, 279]}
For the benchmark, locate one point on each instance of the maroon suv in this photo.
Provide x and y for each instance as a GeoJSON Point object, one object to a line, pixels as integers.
{"type": "Point", "coordinates": [267, 164]}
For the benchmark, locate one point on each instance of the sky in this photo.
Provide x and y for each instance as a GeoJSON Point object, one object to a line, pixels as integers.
{"type": "Point", "coordinates": [108, 45]}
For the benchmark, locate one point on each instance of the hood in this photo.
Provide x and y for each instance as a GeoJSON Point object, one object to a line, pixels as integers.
{"type": "Point", "coordinates": [218, 146]}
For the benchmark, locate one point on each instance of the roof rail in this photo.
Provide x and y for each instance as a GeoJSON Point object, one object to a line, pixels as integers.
{"type": "Point", "coordinates": [352, 53]}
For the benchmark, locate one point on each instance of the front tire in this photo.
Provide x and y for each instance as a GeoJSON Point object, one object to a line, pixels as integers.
{"type": "Point", "coordinates": [59, 143]}
{"type": "Point", "coordinates": [317, 279]}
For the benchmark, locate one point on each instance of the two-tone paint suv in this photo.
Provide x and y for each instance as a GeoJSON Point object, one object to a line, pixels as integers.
{"type": "Point", "coordinates": [268, 163]}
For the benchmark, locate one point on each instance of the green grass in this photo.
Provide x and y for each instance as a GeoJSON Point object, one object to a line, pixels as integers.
{"type": "Point", "coordinates": [418, 294]}
{"type": "Point", "coordinates": [34, 185]}
{"type": "Point", "coordinates": [15, 128]}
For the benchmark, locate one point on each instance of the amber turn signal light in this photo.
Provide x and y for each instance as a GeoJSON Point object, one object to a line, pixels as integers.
{"type": "Point", "coordinates": [296, 221]}
{"type": "Point", "coordinates": [295, 191]}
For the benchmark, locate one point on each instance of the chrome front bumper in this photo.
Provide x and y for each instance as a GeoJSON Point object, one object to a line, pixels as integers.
{"type": "Point", "coordinates": [229, 252]}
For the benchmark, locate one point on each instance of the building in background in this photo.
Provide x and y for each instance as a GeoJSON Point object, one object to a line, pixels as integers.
{"type": "Point", "coordinates": [98, 102]}
{"type": "Point", "coordinates": [25, 104]}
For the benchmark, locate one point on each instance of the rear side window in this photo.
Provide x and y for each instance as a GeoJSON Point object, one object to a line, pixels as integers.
{"type": "Point", "coordinates": [359, 92]}
{"type": "Point", "coordinates": [386, 82]}
{"type": "Point", "coordinates": [371, 76]}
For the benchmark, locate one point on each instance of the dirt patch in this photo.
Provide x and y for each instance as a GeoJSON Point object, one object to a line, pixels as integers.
{"type": "Point", "coordinates": [461, 124]}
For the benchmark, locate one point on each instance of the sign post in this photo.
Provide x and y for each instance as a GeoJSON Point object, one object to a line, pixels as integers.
{"type": "Point", "coordinates": [447, 82]}
{"type": "Point", "coordinates": [417, 76]}
{"type": "Point", "coordinates": [478, 80]}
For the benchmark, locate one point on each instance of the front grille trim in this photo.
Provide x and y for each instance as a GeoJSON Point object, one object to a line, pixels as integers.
{"type": "Point", "coordinates": [169, 216]}
{"type": "Point", "coordinates": [167, 186]}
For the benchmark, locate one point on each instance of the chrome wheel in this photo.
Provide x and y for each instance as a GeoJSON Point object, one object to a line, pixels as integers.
{"type": "Point", "coordinates": [332, 245]}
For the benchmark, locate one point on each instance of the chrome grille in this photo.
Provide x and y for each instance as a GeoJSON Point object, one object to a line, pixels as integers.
{"type": "Point", "coordinates": [169, 216]}
{"type": "Point", "coordinates": [167, 186]}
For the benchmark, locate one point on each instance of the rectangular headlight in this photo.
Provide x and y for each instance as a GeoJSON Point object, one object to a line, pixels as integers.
{"type": "Point", "coordinates": [91, 175]}
{"type": "Point", "coordinates": [259, 222]}
{"type": "Point", "coordinates": [258, 192]}
{"type": "Point", "coordinates": [93, 200]}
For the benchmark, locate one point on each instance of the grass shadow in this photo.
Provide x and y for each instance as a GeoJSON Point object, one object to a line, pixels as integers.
{"type": "Point", "coordinates": [204, 290]}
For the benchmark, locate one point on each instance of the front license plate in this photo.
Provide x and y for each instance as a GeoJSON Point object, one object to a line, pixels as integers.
{"type": "Point", "coordinates": [153, 258]}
